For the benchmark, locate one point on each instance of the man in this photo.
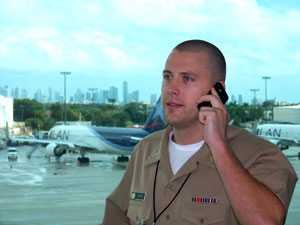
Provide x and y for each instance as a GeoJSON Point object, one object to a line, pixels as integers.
{"type": "Point", "coordinates": [200, 170]}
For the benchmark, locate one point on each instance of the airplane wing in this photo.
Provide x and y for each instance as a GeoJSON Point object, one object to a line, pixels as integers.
{"type": "Point", "coordinates": [39, 141]}
{"type": "Point", "coordinates": [55, 148]}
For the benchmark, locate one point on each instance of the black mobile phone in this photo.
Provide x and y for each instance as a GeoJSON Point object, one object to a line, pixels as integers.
{"type": "Point", "coordinates": [221, 93]}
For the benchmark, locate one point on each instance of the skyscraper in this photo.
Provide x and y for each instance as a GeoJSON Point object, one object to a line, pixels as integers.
{"type": "Point", "coordinates": [17, 93]}
{"type": "Point", "coordinates": [58, 98]}
{"type": "Point", "coordinates": [38, 96]}
{"type": "Point", "coordinates": [4, 91]}
{"type": "Point", "coordinates": [105, 96]}
{"type": "Point", "coordinates": [93, 95]}
{"type": "Point", "coordinates": [79, 97]}
{"type": "Point", "coordinates": [134, 96]}
{"type": "Point", "coordinates": [125, 92]}
{"type": "Point", "coordinates": [113, 94]}
{"type": "Point", "coordinates": [233, 99]}
{"type": "Point", "coordinates": [88, 97]}
{"type": "Point", "coordinates": [24, 93]}
{"type": "Point", "coordinates": [50, 95]}
{"type": "Point", "coordinates": [240, 100]}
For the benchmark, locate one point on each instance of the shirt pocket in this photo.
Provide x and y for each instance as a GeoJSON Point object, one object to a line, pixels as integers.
{"type": "Point", "coordinates": [138, 213]}
{"type": "Point", "coordinates": [210, 215]}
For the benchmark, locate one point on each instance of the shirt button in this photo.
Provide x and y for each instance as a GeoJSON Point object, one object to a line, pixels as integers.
{"type": "Point", "coordinates": [167, 217]}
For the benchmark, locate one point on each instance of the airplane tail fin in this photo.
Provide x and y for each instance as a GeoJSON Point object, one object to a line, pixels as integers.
{"type": "Point", "coordinates": [155, 120]}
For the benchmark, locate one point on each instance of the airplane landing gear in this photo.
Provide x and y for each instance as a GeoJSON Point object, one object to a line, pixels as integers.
{"type": "Point", "coordinates": [83, 160]}
{"type": "Point", "coordinates": [122, 159]}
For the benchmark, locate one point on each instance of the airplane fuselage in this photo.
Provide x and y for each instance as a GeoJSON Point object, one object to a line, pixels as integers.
{"type": "Point", "coordinates": [98, 139]}
{"type": "Point", "coordinates": [288, 134]}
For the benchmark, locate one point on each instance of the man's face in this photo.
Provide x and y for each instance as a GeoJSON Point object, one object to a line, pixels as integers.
{"type": "Point", "coordinates": [187, 76]}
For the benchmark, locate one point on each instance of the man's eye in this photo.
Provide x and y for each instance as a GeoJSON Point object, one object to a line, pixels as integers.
{"type": "Point", "coordinates": [166, 76]}
{"type": "Point", "coordinates": [187, 78]}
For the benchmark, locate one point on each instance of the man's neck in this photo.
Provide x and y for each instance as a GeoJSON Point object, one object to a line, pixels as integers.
{"type": "Point", "coordinates": [188, 135]}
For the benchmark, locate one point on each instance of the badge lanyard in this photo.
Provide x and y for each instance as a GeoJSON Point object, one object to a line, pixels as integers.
{"type": "Point", "coordinates": [173, 199]}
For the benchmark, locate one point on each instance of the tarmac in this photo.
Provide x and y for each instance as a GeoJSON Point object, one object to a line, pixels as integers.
{"type": "Point", "coordinates": [36, 191]}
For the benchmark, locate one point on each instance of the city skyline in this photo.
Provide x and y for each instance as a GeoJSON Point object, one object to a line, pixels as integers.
{"type": "Point", "coordinates": [88, 95]}
{"type": "Point", "coordinates": [78, 80]}
{"type": "Point", "coordinates": [110, 95]}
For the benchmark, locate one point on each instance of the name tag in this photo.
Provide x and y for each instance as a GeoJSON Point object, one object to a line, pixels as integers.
{"type": "Point", "coordinates": [139, 196]}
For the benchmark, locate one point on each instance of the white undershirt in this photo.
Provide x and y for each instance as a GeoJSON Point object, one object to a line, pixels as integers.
{"type": "Point", "coordinates": [179, 154]}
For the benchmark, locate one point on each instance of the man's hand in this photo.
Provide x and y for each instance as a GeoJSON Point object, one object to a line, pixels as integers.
{"type": "Point", "coordinates": [214, 119]}
{"type": "Point", "coordinates": [249, 208]}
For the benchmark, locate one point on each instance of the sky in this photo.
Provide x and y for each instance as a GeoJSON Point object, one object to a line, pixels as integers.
{"type": "Point", "coordinates": [106, 42]}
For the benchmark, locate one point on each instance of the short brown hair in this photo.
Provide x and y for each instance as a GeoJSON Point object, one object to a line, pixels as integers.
{"type": "Point", "coordinates": [217, 58]}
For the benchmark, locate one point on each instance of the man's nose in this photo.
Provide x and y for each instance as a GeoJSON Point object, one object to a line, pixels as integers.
{"type": "Point", "coordinates": [174, 87]}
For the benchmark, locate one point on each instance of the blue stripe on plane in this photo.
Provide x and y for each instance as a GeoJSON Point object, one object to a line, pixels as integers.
{"type": "Point", "coordinates": [122, 148]}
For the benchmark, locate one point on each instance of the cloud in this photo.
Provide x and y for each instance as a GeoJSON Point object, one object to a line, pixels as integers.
{"type": "Point", "coordinates": [3, 50]}
{"type": "Point", "coordinates": [95, 37]}
{"type": "Point", "coordinates": [93, 8]}
{"type": "Point", "coordinates": [251, 35]}
{"type": "Point", "coordinates": [53, 51]}
{"type": "Point", "coordinates": [153, 13]}
{"type": "Point", "coordinates": [40, 33]}
{"type": "Point", "coordinates": [225, 19]}
{"type": "Point", "coordinates": [84, 57]}
{"type": "Point", "coordinates": [119, 58]}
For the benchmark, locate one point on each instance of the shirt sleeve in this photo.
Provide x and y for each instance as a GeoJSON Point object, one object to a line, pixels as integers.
{"type": "Point", "coordinates": [272, 169]}
{"type": "Point", "coordinates": [117, 202]}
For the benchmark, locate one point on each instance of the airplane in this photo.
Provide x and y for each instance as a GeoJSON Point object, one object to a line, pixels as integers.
{"type": "Point", "coordinates": [281, 134]}
{"type": "Point", "coordinates": [96, 139]}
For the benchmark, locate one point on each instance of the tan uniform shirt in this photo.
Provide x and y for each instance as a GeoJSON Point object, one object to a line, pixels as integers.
{"type": "Point", "coordinates": [203, 199]}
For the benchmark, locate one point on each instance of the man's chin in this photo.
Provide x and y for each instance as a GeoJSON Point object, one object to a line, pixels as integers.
{"type": "Point", "coordinates": [175, 122]}
{"type": "Point", "coordinates": [179, 123]}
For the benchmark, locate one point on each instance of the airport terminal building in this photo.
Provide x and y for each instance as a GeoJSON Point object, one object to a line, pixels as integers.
{"type": "Point", "coordinates": [289, 114]}
{"type": "Point", "coordinates": [6, 111]}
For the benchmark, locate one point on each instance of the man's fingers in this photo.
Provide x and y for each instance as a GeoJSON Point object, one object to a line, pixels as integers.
{"type": "Point", "coordinates": [203, 114]}
{"type": "Point", "coordinates": [214, 100]}
{"type": "Point", "coordinates": [208, 112]}
{"type": "Point", "coordinates": [214, 92]}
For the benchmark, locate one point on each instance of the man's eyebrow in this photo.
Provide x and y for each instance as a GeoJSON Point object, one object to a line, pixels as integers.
{"type": "Point", "coordinates": [188, 73]}
{"type": "Point", "coordinates": [167, 71]}
{"type": "Point", "coordinates": [181, 73]}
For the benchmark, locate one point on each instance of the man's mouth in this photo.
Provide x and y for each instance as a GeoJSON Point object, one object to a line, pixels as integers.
{"type": "Point", "coordinates": [174, 104]}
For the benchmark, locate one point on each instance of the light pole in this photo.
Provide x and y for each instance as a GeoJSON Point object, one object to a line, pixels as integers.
{"type": "Point", "coordinates": [254, 90]}
{"type": "Point", "coordinates": [65, 74]}
{"type": "Point", "coordinates": [266, 78]}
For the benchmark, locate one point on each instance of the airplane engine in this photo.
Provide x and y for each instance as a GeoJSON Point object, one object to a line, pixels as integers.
{"type": "Point", "coordinates": [56, 150]}
{"type": "Point", "coordinates": [281, 145]}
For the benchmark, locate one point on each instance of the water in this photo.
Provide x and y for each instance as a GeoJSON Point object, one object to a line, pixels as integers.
{"type": "Point", "coordinates": [38, 192]}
